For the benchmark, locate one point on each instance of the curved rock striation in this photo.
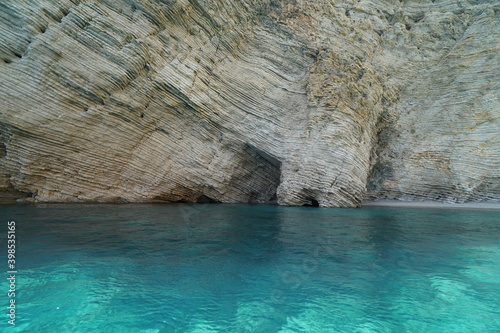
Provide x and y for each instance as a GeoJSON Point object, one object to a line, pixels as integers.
{"type": "Point", "coordinates": [300, 102]}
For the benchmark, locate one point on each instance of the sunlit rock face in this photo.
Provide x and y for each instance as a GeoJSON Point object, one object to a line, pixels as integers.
{"type": "Point", "coordinates": [303, 102]}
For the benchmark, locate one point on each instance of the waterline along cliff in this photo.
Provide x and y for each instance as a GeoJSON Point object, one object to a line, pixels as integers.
{"type": "Point", "coordinates": [317, 102]}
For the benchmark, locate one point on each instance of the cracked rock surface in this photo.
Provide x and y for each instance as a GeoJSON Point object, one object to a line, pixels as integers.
{"type": "Point", "coordinates": [301, 102]}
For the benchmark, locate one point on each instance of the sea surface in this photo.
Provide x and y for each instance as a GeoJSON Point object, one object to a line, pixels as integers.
{"type": "Point", "coordinates": [249, 268]}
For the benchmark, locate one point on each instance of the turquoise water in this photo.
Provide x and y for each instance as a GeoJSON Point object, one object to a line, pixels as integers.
{"type": "Point", "coordinates": [244, 268]}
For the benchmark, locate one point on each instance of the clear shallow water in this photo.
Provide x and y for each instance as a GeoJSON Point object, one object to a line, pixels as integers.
{"type": "Point", "coordinates": [242, 268]}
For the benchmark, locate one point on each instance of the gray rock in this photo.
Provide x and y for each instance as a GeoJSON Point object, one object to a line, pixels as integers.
{"type": "Point", "coordinates": [303, 102]}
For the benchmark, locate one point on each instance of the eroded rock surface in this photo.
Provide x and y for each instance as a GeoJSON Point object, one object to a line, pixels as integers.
{"type": "Point", "coordinates": [303, 102]}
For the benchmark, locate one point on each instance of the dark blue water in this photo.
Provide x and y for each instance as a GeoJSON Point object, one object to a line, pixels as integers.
{"type": "Point", "coordinates": [243, 268]}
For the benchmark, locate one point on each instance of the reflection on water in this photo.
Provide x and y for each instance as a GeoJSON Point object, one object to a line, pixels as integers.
{"type": "Point", "coordinates": [245, 268]}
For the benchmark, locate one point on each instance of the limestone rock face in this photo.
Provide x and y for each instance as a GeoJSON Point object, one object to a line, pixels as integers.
{"type": "Point", "coordinates": [304, 102]}
{"type": "Point", "coordinates": [444, 143]}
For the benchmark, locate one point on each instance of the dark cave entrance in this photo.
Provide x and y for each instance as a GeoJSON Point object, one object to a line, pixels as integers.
{"type": "Point", "coordinates": [206, 199]}
{"type": "Point", "coordinates": [269, 168]}
{"type": "Point", "coordinates": [311, 203]}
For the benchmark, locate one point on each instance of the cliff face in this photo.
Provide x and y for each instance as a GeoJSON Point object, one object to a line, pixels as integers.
{"type": "Point", "coordinates": [308, 102]}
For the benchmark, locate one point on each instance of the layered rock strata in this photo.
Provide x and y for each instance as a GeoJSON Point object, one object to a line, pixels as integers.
{"type": "Point", "coordinates": [304, 102]}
